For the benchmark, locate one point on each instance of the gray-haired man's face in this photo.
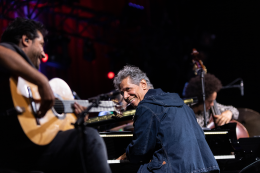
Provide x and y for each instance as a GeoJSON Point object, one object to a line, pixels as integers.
{"type": "Point", "coordinates": [133, 93]}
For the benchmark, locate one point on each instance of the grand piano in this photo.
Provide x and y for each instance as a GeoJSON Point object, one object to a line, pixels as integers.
{"type": "Point", "coordinates": [233, 155]}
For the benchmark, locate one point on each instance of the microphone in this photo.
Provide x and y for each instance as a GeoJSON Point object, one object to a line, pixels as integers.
{"type": "Point", "coordinates": [242, 87]}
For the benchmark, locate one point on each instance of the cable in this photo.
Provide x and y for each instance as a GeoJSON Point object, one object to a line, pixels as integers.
{"type": "Point", "coordinates": [248, 166]}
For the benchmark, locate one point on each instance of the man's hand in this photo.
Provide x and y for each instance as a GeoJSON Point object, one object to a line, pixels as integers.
{"type": "Point", "coordinates": [19, 67]}
{"type": "Point", "coordinates": [78, 109]}
{"type": "Point", "coordinates": [224, 118]}
{"type": "Point", "coordinates": [47, 98]}
{"type": "Point", "coordinates": [122, 157]}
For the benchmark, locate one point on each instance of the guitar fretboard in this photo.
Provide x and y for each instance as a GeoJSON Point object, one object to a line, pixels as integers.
{"type": "Point", "coordinates": [67, 105]}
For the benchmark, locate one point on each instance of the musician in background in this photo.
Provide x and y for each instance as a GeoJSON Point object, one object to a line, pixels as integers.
{"type": "Point", "coordinates": [21, 49]}
{"type": "Point", "coordinates": [166, 137]}
{"type": "Point", "coordinates": [212, 86]}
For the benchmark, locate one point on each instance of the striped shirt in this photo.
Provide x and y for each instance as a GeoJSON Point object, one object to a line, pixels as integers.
{"type": "Point", "coordinates": [222, 108]}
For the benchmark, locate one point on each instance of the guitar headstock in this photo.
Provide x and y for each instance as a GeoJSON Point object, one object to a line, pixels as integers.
{"type": "Point", "coordinates": [198, 64]}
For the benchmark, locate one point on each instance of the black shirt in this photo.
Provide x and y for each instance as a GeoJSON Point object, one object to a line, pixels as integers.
{"type": "Point", "coordinates": [13, 140]}
{"type": "Point", "coordinates": [6, 99]}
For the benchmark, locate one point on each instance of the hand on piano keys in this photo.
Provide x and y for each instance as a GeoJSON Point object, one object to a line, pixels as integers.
{"type": "Point", "coordinates": [122, 157]}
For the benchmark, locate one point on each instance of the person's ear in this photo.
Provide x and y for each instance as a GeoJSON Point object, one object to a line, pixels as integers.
{"type": "Point", "coordinates": [25, 41]}
{"type": "Point", "coordinates": [143, 84]}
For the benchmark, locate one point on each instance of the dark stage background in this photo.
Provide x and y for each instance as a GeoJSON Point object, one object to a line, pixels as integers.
{"type": "Point", "coordinates": [89, 38]}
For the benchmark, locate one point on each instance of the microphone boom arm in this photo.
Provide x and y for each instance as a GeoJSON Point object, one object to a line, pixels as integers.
{"type": "Point", "coordinates": [241, 86]}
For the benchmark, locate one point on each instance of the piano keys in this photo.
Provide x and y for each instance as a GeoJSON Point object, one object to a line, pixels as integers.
{"type": "Point", "coordinates": [116, 142]}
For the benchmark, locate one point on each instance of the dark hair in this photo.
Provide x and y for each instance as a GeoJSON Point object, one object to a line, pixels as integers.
{"type": "Point", "coordinates": [22, 26]}
{"type": "Point", "coordinates": [194, 89]}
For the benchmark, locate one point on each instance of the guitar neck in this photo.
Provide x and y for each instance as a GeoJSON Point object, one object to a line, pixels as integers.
{"type": "Point", "coordinates": [103, 106]}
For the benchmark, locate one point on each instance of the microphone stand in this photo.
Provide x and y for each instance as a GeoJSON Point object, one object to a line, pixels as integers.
{"type": "Point", "coordinates": [240, 86]}
{"type": "Point", "coordinates": [80, 126]}
{"type": "Point", "coordinates": [200, 70]}
{"type": "Point", "coordinates": [232, 86]}
{"type": "Point", "coordinates": [202, 74]}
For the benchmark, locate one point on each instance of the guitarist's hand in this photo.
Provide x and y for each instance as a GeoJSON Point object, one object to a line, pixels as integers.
{"type": "Point", "coordinates": [47, 98]}
{"type": "Point", "coordinates": [78, 109]}
{"type": "Point", "coordinates": [19, 67]}
{"type": "Point", "coordinates": [224, 118]}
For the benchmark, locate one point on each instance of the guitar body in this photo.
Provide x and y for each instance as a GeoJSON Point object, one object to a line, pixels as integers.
{"type": "Point", "coordinates": [50, 124]}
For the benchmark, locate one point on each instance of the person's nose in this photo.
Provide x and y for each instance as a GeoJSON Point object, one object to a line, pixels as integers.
{"type": "Point", "coordinates": [42, 54]}
{"type": "Point", "coordinates": [126, 95]}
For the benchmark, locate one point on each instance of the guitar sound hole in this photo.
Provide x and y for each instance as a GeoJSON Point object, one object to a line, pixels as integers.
{"type": "Point", "coordinates": [58, 106]}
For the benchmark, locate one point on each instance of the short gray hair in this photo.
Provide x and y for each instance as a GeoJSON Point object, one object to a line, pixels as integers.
{"type": "Point", "coordinates": [135, 74]}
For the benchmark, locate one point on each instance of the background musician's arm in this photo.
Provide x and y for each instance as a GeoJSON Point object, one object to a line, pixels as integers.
{"type": "Point", "coordinates": [227, 113]}
{"type": "Point", "coordinates": [19, 67]}
{"type": "Point", "coordinates": [144, 139]}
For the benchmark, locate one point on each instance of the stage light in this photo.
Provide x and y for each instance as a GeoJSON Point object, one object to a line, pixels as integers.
{"type": "Point", "coordinates": [111, 75]}
{"type": "Point", "coordinates": [45, 59]}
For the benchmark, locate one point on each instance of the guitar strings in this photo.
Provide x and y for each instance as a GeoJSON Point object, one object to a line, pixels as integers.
{"type": "Point", "coordinates": [62, 105]}
{"type": "Point", "coordinates": [69, 103]}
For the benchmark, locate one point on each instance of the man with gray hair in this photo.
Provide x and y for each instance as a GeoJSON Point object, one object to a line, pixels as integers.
{"type": "Point", "coordinates": [167, 137]}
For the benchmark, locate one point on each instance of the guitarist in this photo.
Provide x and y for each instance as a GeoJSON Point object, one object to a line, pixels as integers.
{"type": "Point", "coordinates": [212, 86]}
{"type": "Point", "coordinates": [21, 49]}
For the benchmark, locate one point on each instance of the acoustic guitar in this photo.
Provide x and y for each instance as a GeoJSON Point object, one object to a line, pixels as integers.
{"type": "Point", "coordinates": [42, 131]}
